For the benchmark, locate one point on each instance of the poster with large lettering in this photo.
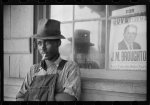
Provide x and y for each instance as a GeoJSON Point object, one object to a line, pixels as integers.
{"type": "Point", "coordinates": [127, 46]}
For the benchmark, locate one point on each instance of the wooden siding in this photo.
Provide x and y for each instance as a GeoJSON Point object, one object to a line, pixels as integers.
{"type": "Point", "coordinates": [17, 46]}
{"type": "Point", "coordinates": [21, 21]}
{"type": "Point", "coordinates": [6, 65]}
{"type": "Point", "coordinates": [20, 64]}
{"type": "Point", "coordinates": [6, 22]}
{"type": "Point", "coordinates": [100, 90]}
{"type": "Point", "coordinates": [114, 74]}
{"type": "Point", "coordinates": [18, 55]}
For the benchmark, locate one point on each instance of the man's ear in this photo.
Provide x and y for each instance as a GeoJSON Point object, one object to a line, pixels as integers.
{"type": "Point", "coordinates": [59, 43]}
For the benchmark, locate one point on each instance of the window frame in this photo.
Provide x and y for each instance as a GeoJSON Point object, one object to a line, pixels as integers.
{"type": "Point", "coordinates": [105, 73]}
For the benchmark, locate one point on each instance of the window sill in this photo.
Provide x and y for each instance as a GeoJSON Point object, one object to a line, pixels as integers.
{"type": "Point", "coordinates": [114, 74]}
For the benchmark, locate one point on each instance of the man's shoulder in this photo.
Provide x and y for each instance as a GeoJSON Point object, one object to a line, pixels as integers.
{"type": "Point", "coordinates": [122, 45]}
{"type": "Point", "coordinates": [136, 45]}
{"type": "Point", "coordinates": [70, 62]}
{"type": "Point", "coordinates": [35, 67]}
{"type": "Point", "coordinates": [121, 42]}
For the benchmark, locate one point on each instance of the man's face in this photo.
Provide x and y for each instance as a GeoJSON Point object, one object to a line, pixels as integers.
{"type": "Point", "coordinates": [47, 47]}
{"type": "Point", "coordinates": [130, 34]}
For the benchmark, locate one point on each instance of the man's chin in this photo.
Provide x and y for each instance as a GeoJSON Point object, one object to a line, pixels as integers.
{"type": "Point", "coordinates": [46, 58]}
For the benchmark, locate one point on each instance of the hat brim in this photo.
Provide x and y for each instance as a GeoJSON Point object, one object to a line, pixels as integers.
{"type": "Point", "coordinates": [89, 44]}
{"type": "Point", "coordinates": [36, 36]}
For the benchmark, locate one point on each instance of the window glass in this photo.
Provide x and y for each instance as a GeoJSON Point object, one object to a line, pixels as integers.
{"type": "Point", "coordinates": [88, 44]}
{"type": "Point", "coordinates": [62, 12]}
{"type": "Point", "coordinates": [116, 7]}
{"type": "Point", "coordinates": [65, 48]}
{"type": "Point", "coordinates": [89, 11]}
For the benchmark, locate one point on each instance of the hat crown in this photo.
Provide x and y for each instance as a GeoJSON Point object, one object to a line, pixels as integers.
{"type": "Point", "coordinates": [82, 36]}
{"type": "Point", "coordinates": [48, 29]}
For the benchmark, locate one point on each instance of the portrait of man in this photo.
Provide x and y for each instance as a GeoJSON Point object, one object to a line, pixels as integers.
{"type": "Point", "coordinates": [128, 43]}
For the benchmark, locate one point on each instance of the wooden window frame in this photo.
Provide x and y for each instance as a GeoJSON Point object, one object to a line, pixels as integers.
{"type": "Point", "coordinates": [95, 73]}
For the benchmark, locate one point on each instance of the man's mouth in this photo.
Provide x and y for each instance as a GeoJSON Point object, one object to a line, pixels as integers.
{"type": "Point", "coordinates": [43, 56]}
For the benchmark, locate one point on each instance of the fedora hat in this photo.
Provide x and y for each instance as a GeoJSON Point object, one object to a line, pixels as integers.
{"type": "Point", "coordinates": [48, 29]}
{"type": "Point", "coordinates": [82, 37]}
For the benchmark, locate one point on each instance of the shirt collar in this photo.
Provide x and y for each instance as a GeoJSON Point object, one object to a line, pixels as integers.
{"type": "Point", "coordinates": [128, 44]}
{"type": "Point", "coordinates": [57, 61]}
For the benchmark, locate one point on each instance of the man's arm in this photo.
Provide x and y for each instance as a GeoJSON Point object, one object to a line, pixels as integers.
{"type": "Point", "coordinates": [25, 85]}
{"type": "Point", "coordinates": [22, 91]}
{"type": "Point", "coordinates": [64, 97]}
{"type": "Point", "coordinates": [72, 85]}
{"type": "Point", "coordinates": [20, 99]}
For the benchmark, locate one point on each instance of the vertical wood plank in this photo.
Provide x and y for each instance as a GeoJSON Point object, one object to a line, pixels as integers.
{"type": "Point", "coordinates": [14, 65]}
{"type": "Point", "coordinates": [21, 20]}
{"type": "Point", "coordinates": [6, 21]}
{"type": "Point", "coordinates": [6, 65]}
{"type": "Point", "coordinates": [20, 64]}
{"type": "Point", "coordinates": [25, 64]}
{"type": "Point", "coordinates": [17, 46]}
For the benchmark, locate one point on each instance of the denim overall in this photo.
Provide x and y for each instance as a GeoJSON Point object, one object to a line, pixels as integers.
{"type": "Point", "coordinates": [42, 87]}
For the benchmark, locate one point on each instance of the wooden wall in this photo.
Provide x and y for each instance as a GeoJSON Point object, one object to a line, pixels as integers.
{"type": "Point", "coordinates": [93, 90]}
{"type": "Point", "coordinates": [18, 57]}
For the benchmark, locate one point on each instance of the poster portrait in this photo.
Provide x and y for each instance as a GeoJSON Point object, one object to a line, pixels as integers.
{"type": "Point", "coordinates": [127, 46]}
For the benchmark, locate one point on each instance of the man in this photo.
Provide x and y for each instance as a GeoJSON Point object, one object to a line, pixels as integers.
{"type": "Point", "coordinates": [82, 46]}
{"type": "Point", "coordinates": [130, 33]}
{"type": "Point", "coordinates": [54, 79]}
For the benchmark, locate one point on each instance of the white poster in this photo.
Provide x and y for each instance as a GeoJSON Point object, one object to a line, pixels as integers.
{"type": "Point", "coordinates": [127, 47]}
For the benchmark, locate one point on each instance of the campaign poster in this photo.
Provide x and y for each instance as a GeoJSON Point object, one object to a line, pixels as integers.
{"type": "Point", "coordinates": [127, 46]}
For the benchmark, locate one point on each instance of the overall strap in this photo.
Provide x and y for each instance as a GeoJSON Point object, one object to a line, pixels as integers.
{"type": "Point", "coordinates": [60, 67]}
{"type": "Point", "coordinates": [36, 68]}
{"type": "Point", "coordinates": [61, 64]}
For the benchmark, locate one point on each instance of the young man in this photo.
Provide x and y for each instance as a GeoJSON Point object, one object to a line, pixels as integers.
{"type": "Point", "coordinates": [53, 79]}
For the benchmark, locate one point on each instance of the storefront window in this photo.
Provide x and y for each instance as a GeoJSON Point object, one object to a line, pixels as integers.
{"type": "Point", "coordinates": [91, 44]}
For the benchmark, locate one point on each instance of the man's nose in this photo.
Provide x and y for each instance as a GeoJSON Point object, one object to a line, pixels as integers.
{"type": "Point", "coordinates": [43, 46]}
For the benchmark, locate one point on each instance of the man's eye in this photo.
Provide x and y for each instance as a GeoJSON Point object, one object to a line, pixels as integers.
{"type": "Point", "coordinates": [48, 42]}
{"type": "Point", "coordinates": [39, 43]}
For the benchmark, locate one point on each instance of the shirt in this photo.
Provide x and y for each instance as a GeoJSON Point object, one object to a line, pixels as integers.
{"type": "Point", "coordinates": [68, 80]}
{"type": "Point", "coordinates": [130, 47]}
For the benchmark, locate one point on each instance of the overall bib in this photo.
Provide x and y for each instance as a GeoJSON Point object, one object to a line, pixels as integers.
{"type": "Point", "coordinates": [42, 87]}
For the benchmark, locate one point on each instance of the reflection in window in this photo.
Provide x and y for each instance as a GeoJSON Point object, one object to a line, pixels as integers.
{"type": "Point", "coordinates": [62, 12]}
{"type": "Point", "coordinates": [89, 11]}
{"type": "Point", "coordinates": [87, 49]}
